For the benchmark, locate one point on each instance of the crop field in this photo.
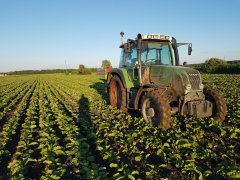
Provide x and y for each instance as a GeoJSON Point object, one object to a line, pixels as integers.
{"type": "Point", "coordinates": [61, 127]}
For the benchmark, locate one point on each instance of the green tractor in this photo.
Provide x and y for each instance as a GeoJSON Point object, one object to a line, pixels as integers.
{"type": "Point", "coordinates": [151, 80]}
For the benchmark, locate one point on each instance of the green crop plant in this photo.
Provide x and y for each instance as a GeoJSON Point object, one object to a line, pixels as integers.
{"type": "Point", "coordinates": [61, 127]}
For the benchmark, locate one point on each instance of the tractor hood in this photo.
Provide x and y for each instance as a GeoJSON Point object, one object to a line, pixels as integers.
{"type": "Point", "coordinates": [178, 78]}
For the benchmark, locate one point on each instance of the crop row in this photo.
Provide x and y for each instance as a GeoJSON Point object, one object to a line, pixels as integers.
{"type": "Point", "coordinates": [10, 130]}
{"type": "Point", "coordinates": [61, 127]}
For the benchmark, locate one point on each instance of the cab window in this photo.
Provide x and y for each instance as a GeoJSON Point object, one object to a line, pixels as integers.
{"type": "Point", "coordinates": [131, 57]}
{"type": "Point", "coordinates": [156, 53]}
{"type": "Point", "coordinates": [122, 59]}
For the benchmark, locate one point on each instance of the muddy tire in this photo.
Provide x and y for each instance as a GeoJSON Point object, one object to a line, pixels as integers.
{"type": "Point", "coordinates": [219, 104]}
{"type": "Point", "coordinates": [155, 109]}
{"type": "Point", "coordinates": [117, 93]}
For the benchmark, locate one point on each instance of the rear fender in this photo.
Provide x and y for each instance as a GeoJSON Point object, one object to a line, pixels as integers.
{"type": "Point", "coordinates": [116, 72]}
{"type": "Point", "coordinates": [123, 75]}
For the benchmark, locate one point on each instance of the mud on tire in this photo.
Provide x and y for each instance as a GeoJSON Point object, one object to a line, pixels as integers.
{"type": "Point", "coordinates": [117, 93]}
{"type": "Point", "coordinates": [155, 109]}
{"type": "Point", "coordinates": [219, 104]}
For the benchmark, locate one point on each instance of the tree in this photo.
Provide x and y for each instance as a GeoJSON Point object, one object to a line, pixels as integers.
{"type": "Point", "coordinates": [106, 64]}
{"type": "Point", "coordinates": [211, 65]}
{"type": "Point", "coordinates": [83, 70]}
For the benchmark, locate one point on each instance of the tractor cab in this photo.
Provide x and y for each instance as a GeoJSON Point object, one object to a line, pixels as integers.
{"type": "Point", "coordinates": [153, 50]}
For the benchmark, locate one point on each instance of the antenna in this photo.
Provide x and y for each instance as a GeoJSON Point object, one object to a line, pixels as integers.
{"type": "Point", "coordinates": [122, 33]}
{"type": "Point", "coordinates": [66, 70]}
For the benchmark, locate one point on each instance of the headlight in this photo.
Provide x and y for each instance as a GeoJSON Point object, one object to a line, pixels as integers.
{"type": "Point", "coordinates": [188, 87]}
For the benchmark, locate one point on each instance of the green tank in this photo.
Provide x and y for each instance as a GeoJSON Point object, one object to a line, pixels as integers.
{"type": "Point", "coordinates": [150, 79]}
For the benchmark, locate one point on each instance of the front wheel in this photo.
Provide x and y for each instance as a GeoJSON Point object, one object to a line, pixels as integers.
{"type": "Point", "coordinates": [219, 104]}
{"type": "Point", "coordinates": [155, 109]}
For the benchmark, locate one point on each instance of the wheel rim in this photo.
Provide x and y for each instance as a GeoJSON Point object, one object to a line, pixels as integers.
{"type": "Point", "coordinates": [150, 111]}
{"type": "Point", "coordinates": [213, 101]}
{"type": "Point", "coordinates": [219, 110]}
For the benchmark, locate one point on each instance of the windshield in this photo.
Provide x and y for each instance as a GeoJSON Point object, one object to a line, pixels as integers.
{"type": "Point", "coordinates": [156, 53]}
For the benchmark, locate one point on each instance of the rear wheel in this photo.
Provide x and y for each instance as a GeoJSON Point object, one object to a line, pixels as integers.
{"type": "Point", "coordinates": [219, 104]}
{"type": "Point", "coordinates": [155, 109]}
{"type": "Point", "coordinates": [117, 93]}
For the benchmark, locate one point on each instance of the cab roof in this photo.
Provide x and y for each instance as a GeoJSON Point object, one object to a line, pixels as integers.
{"type": "Point", "coordinates": [153, 37]}
{"type": "Point", "coordinates": [156, 37]}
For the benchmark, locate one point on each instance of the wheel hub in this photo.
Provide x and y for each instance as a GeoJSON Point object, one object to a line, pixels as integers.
{"type": "Point", "coordinates": [150, 112]}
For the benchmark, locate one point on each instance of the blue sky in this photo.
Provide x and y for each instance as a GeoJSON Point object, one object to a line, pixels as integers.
{"type": "Point", "coordinates": [43, 34]}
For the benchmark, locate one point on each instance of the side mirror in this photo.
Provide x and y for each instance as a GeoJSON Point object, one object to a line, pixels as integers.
{"type": "Point", "coordinates": [127, 48]}
{"type": "Point", "coordinates": [189, 49]}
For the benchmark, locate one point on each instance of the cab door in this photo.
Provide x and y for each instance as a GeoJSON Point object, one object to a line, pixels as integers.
{"type": "Point", "coordinates": [130, 64]}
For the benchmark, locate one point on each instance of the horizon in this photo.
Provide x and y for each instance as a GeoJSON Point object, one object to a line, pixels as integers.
{"type": "Point", "coordinates": [40, 35]}
{"type": "Point", "coordinates": [86, 67]}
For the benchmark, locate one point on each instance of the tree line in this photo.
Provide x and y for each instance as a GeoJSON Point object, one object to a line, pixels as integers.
{"type": "Point", "coordinates": [211, 66]}
{"type": "Point", "coordinates": [46, 71]}
{"type": "Point", "coordinates": [218, 66]}
{"type": "Point", "coordinates": [82, 69]}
